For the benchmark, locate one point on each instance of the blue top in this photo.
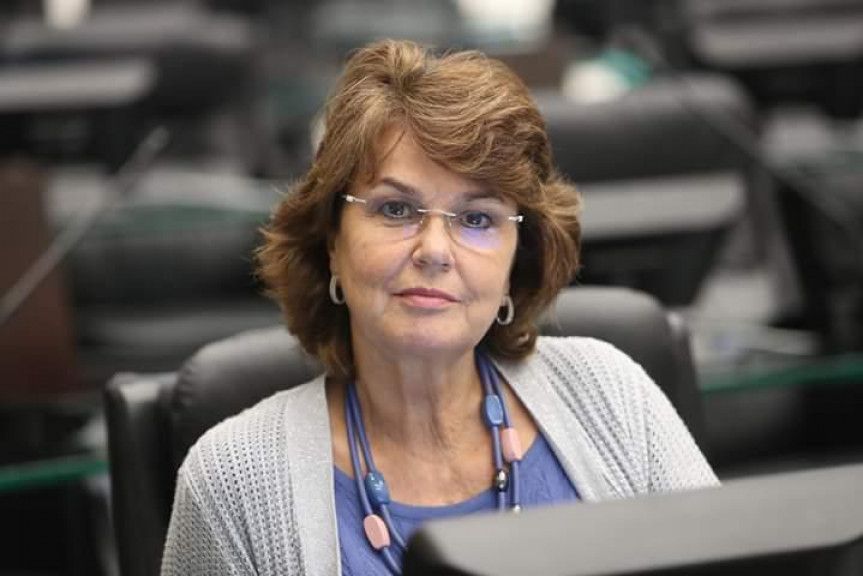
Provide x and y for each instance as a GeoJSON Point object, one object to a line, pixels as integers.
{"type": "Point", "coordinates": [542, 481]}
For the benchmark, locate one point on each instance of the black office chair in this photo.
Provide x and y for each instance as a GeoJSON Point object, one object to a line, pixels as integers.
{"type": "Point", "coordinates": [797, 51]}
{"type": "Point", "coordinates": [683, 185]}
{"type": "Point", "coordinates": [154, 419]}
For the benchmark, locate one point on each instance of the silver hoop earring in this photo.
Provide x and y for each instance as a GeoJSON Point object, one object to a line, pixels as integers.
{"type": "Point", "coordinates": [337, 298]}
{"type": "Point", "coordinates": [510, 311]}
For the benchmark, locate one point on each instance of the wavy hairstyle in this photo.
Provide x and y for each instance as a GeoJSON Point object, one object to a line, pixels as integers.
{"type": "Point", "coordinates": [472, 115]}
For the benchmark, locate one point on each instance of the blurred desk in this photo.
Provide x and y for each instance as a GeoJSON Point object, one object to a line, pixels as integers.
{"type": "Point", "coordinates": [774, 414]}
{"type": "Point", "coordinates": [51, 472]}
{"type": "Point", "coordinates": [71, 86]}
{"type": "Point", "coordinates": [54, 516]}
{"type": "Point", "coordinates": [824, 371]}
{"type": "Point", "coordinates": [658, 234]}
{"type": "Point", "coordinates": [74, 111]}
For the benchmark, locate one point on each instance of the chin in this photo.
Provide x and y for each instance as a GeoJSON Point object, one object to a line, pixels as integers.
{"type": "Point", "coordinates": [433, 342]}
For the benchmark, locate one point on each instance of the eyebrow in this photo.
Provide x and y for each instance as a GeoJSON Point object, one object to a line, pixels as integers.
{"type": "Point", "coordinates": [408, 190]}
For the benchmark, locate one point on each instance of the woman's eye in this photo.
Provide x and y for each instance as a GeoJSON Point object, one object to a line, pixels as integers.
{"type": "Point", "coordinates": [476, 219]}
{"type": "Point", "coordinates": [396, 209]}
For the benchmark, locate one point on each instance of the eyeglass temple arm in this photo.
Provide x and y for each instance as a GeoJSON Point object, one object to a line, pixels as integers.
{"type": "Point", "coordinates": [353, 199]}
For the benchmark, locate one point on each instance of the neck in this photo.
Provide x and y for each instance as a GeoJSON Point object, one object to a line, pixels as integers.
{"type": "Point", "coordinates": [421, 405]}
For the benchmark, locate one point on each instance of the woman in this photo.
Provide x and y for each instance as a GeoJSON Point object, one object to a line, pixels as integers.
{"type": "Point", "coordinates": [413, 259]}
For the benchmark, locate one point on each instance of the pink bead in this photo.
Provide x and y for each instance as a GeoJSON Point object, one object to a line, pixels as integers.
{"type": "Point", "coordinates": [376, 531]}
{"type": "Point", "coordinates": [511, 445]}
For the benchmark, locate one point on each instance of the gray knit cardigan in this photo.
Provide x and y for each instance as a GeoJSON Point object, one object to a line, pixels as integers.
{"type": "Point", "coordinates": [255, 494]}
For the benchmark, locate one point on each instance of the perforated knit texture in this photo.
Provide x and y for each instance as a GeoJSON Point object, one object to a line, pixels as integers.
{"type": "Point", "coordinates": [255, 493]}
{"type": "Point", "coordinates": [233, 509]}
{"type": "Point", "coordinates": [638, 435]}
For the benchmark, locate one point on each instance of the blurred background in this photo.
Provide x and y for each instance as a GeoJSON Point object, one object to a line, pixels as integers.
{"type": "Point", "coordinates": [717, 144]}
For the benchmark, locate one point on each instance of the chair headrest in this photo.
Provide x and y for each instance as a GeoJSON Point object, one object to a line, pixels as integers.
{"type": "Point", "coordinates": [633, 321]}
{"type": "Point", "coordinates": [230, 375]}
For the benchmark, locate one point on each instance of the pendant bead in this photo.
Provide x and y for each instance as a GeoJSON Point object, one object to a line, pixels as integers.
{"type": "Point", "coordinates": [511, 445]}
{"type": "Point", "coordinates": [492, 410]}
{"type": "Point", "coordinates": [377, 489]}
{"type": "Point", "coordinates": [501, 480]}
{"type": "Point", "coordinates": [376, 531]}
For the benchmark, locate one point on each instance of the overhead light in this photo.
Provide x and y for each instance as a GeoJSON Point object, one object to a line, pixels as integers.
{"type": "Point", "coordinates": [65, 13]}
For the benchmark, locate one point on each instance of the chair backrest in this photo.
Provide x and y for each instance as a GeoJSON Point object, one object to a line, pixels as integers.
{"type": "Point", "coordinates": [652, 148]}
{"type": "Point", "coordinates": [154, 419]}
{"type": "Point", "coordinates": [784, 51]}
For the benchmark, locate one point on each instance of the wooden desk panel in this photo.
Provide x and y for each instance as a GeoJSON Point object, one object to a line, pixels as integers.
{"type": "Point", "coordinates": [37, 343]}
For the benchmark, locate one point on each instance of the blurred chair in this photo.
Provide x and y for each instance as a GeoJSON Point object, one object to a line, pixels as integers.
{"type": "Point", "coordinates": [661, 186]}
{"type": "Point", "coordinates": [824, 226]}
{"type": "Point", "coordinates": [597, 19]}
{"type": "Point", "coordinates": [783, 50]}
{"type": "Point", "coordinates": [102, 84]}
{"type": "Point", "coordinates": [343, 25]}
{"type": "Point", "coordinates": [169, 270]}
{"type": "Point", "coordinates": [802, 52]}
{"type": "Point", "coordinates": [154, 419]}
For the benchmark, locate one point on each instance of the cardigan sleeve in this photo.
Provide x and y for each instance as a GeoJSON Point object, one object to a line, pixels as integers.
{"type": "Point", "coordinates": [238, 507]}
{"type": "Point", "coordinates": [633, 440]}
{"type": "Point", "coordinates": [659, 443]}
{"type": "Point", "coordinates": [198, 542]}
{"type": "Point", "coordinates": [674, 460]}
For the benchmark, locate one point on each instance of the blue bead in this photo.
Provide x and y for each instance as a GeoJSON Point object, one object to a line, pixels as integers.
{"type": "Point", "coordinates": [376, 487]}
{"type": "Point", "coordinates": [492, 411]}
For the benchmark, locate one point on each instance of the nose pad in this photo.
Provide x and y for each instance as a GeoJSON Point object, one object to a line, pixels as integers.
{"type": "Point", "coordinates": [428, 221]}
{"type": "Point", "coordinates": [435, 241]}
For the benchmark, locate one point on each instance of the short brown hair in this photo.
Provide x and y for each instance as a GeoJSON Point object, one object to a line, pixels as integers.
{"type": "Point", "coordinates": [472, 115]}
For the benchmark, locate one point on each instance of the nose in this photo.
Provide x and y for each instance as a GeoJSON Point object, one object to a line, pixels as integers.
{"type": "Point", "coordinates": [434, 243]}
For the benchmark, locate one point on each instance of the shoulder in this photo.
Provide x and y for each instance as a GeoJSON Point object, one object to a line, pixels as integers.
{"type": "Point", "coordinates": [569, 348]}
{"type": "Point", "coordinates": [266, 415]}
{"type": "Point", "coordinates": [597, 390]}
{"type": "Point", "coordinates": [239, 454]}
{"type": "Point", "coordinates": [625, 413]}
{"type": "Point", "coordinates": [597, 379]}
{"type": "Point", "coordinates": [587, 367]}
{"type": "Point", "coordinates": [238, 489]}
{"type": "Point", "coordinates": [589, 398]}
{"type": "Point", "coordinates": [602, 387]}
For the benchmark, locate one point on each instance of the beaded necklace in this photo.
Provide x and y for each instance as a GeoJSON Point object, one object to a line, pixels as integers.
{"type": "Point", "coordinates": [378, 525]}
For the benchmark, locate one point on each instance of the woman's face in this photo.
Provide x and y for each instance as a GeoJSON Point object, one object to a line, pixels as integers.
{"type": "Point", "coordinates": [416, 283]}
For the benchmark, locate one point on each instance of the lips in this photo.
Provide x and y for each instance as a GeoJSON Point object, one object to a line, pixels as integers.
{"type": "Point", "coordinates": [427, 293]}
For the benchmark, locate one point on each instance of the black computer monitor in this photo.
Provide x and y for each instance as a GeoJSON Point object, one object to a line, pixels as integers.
{"type": "Point", "coordinates": [792, 524]}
